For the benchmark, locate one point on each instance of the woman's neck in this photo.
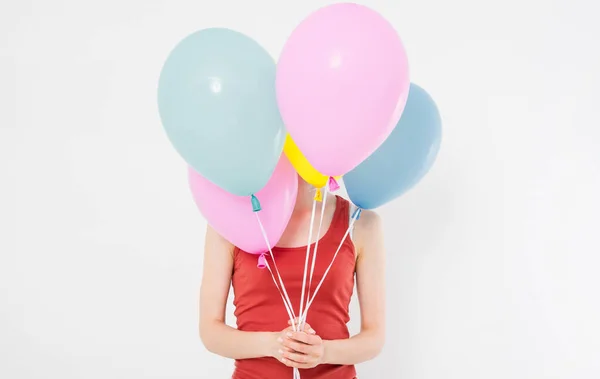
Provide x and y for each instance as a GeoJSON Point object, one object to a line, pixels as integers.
{"type": "Point", "coordinates": [306, 194]}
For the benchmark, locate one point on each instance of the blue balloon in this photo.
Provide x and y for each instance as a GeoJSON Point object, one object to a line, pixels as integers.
{"type": "Point", "coordinates": [217, 103]}
{"type": "Point", "coordinates": [403, 159]}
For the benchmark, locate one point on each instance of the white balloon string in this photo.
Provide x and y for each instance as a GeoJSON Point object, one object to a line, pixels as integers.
{"type": "Point", "coordinates": [282, 289]}
{"type": "Point", "coordinates": [287, 307]}
{"type": "Point", "coordinates": [310, 233]}
{"type": "Point", "coordinates": [314, 257]}
{"type": "Point", "coordinates": [354, 218]}
{"type": "Point", "coordinates": [284, 296]}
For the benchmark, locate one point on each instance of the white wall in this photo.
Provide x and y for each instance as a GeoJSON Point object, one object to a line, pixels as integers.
{"type": "Point", "coordinates": [493, 259]}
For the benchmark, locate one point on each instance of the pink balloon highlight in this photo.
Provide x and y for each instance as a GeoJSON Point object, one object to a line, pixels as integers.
{"type": "Point", "coordinates": [342, 83]}
{"type": "Point", "coordinates": [232, 216]}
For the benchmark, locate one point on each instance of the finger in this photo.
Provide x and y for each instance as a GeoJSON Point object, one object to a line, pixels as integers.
{"type": "Point", "coordinates": [297, 346]}
{"type": "Point", "coordinates": [294, 364]}
{"type": "Point", "coordinates": [308, 329]}
{"type": "Point", "coordinates": [298, 358]}
{"type": "Point", "coordinates": [296, 321]}
{"type": "Point", "coordinates": [305, 328]}
{"type": "Point", "coordinates": [308, 339]}
{"type": "Point", "coordinates": [296, 326]}
{"type": "Point", "coordinates": [283, 347]}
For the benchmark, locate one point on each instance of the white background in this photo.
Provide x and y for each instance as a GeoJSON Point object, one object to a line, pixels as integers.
{"type": "Point", "coordinates": [493, 258]}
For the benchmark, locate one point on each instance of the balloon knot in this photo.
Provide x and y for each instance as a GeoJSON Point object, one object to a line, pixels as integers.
{"type": "Point", "coordinates": [255, 204]}
{"type": "Point", "coordinates": [262, 261]}
{"type": "Point", "coordinates": [319, 195]}
{"type": "Point", "coordinates": [333, 184]}
{"type": "Point", "coordinates": [356, 214]}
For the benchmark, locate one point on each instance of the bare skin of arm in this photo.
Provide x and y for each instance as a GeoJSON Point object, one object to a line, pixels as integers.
{"type": "Point", "coordinates": [306, 351]}
{"type": "Point", "coordinates": [218, 337]}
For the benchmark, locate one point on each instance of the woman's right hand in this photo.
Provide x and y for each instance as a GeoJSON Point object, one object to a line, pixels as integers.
{"type": "Point", "coordinates": [301, 349]}
{"type": "Point", "coordinates": [278, 338]}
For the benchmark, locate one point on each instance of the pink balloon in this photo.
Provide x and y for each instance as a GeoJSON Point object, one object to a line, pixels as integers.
{"type": "Point", "coordinates": [232, 216]}
{"type": "Point", "coordinates": [342, 83]}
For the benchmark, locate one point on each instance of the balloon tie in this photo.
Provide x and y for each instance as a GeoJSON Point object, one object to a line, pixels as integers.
{"type": "Point", "coordinates": [255, 204]}
{"type": "Point", "coordinates": [262, 261]}
{"type": "Point", "coordinates": [356, 214]}
{"type": "Point", "coordinates": [333, 184]}
{"type": "Point", "coordinates": [318, 195]}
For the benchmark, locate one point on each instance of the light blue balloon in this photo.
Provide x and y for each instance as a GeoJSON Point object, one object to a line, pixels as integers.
{"type": "Point", "coordinates": [217, 103]}
{"type": "Point", "coordinates": [403, 159]}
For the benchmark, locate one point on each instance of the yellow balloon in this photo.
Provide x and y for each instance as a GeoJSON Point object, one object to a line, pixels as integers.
{"type": "Point", "coordinates": [302, 165]}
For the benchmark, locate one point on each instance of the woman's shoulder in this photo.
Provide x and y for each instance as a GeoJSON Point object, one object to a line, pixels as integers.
{"type": "Point", "coordinates": [369, 220]}
{"type": "Point", "coordinates": [217, 244]}
{"type": "Point", "coordinates": [368, 230]}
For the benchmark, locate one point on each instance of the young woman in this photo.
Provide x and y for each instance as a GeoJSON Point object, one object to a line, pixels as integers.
{"type": "Point", "coordinates": [264, 345]}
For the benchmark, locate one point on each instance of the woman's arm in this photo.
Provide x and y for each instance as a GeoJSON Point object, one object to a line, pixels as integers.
{"type": "Point", "coordinates": [218, 337]}
{"type": "Point", "coordinates": [370, 269]}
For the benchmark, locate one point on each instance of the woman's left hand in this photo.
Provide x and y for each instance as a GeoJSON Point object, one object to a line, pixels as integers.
{"type": "Point", "coordinates": [301, 349]}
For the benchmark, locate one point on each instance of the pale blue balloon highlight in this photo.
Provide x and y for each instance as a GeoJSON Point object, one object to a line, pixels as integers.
{"type": "Point", "coordinates": [216, 99]}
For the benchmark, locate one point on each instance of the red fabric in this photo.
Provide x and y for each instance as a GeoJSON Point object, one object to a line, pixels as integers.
{"type": "Point", "coordinates": [259, 307]}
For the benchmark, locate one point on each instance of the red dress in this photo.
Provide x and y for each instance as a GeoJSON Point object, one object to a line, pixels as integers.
{"type": "Point", "coordinates": [259, 307]}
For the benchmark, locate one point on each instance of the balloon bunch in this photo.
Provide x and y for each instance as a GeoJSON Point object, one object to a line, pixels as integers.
{"type": "Point", "coordinates": [339, 103]}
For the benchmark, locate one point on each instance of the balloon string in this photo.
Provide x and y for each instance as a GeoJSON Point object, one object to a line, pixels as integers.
{"type": "Point", "coordinates": [282, 291]}
{"type": "Point", "coordinates": [287, 298]}
{"type": "Point", "coordinates": [355, 216]}
{"type": "Point", "coordinates": [310, 233]}
{"type": "Point", "coordinates": [314, 257]}
{"type": "Point", "coordinates": [287, 307]}
{"type": "Point", "coordinates": [296, 372]}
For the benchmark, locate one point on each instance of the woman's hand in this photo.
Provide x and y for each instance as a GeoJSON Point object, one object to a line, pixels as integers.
{"type": "Point", "coordinates": [300, 349]}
